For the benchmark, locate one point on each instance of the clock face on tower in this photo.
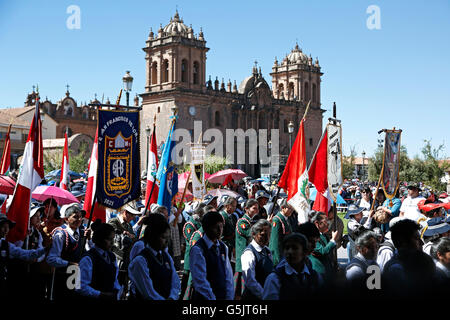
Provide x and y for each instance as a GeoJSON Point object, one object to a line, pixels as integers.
{"type": "Point", "coordinates": [192, 110]}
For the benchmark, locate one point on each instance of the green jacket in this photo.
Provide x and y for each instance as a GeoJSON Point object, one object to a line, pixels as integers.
{"type": "Point", "coordinates": [323, 252]}
{"type": "Point", "coordinates": [280, 228]}
{"type": "Point", "coordinates": [243, 238]}
{"type": "Point", "coordinates": [188, 230]}
{"type": "Point", "coordinates": [228, 231]}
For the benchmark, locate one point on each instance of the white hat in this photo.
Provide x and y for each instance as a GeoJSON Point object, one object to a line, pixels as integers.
{"type": "Point", "coordinates": [394, 221]}
{"type": "Point", "coordinates": [68, 209]}
{"type": "Point", "coordinates": [35, 210]}
{"type": "Point", "coordinates": [133, 208]}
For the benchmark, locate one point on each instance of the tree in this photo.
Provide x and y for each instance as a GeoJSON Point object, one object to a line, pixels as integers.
{"type": "Point", "coordinates": [348, 164]}
{"type": "Point", "coordinates": [79, 162]}
{"type": "Point", "coordinates": [432, 170]}
{"type": "Point", "coordinates": [212, 164]}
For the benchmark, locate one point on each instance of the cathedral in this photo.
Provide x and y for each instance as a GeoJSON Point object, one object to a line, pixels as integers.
{"type": "Point", "coordinates": [175, 79]}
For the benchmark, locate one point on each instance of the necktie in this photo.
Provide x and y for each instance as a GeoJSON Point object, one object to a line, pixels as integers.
{"type": "Point", "coordinates": [159, 257]}
{"type": "Point", "coordinates": [76, 235]}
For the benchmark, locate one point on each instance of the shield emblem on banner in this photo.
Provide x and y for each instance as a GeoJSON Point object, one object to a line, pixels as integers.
{"type": "Point", "coordinates": [118, 168]}
{"type": "Point", "coordinates": [334, 174]}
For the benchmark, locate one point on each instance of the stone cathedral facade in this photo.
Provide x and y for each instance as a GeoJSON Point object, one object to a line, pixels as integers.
{"type": "Point", "coordinates": [176, 78]}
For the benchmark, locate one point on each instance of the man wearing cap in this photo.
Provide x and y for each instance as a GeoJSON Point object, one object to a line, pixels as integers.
{"type": "Point", "coordinates": [125, 237]}
{"type": "Point", "coordinates": [409, 208]}
{"type": "Point", "coordinates": [262, 197]}
{"type": "Point", "coordinates": [243, 238]}
{"type": "Point", "coordinates": [66, 247]}
{"type": "Point", "coordinates": [9, 251]}
{"type": "Point", "coordinates": [280, 228]}
{"type": "Point", "coordinates": [229, 227]}
{"type": "Point", "coordinates": [432, 231]}
{"type": "Point", "coordinates": [356, 224]}
{"type": "Point", "coordinates": [210, 200]}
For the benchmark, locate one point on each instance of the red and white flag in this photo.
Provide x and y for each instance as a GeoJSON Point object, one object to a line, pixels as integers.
{"type": "Point", "coordinates": [318, 175]}
{"type": "Point", "coordinates": [152, 168]}
{"type": "Point", "coordinates": [64, 180]}
{"type": "Point", "coordinates": [30, 176]}
{"type": "Point", "coordinates": [99, 212]}
{"type": "Point", "coordinates": [295, 177]}
{"type": "Point", "coordinates": [6, 156]}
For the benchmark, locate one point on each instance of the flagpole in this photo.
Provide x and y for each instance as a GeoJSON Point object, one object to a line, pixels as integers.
{"type": "Point", "coordinates": [335, 202]}
{"type": "Point", "coordinates": [154, 182]}
{"type": "Point", "coordinates": [182, 199]}
{"type": "Point", "coordinates": [83, 239]}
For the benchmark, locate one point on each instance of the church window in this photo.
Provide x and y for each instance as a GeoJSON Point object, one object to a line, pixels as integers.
{"type": "Point", "coordinates": [166, 71]}
{"type": "Point", "coordinates": [196, 73]}
{"type": "Point", "coordinates": [217, 119]}
{"type": "Point", "coordinates": [184, 71]}
{"type": "Point", "coordinates": [69, 111]}
{"type": "Point", "coordinates": [291, 90]}
{"type": "Point", "coordinates": [159, 109]}
{"type": "Point", "coordinates": [314, 93]}
{"type": "Point", "coordinates": [280, 88]}
{"type": "Point", "coordinates": [306, 91]}
{"type": "Point", "coordinates": [154, 73]}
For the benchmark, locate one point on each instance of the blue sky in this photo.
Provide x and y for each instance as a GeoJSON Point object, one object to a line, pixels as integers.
{"type": "Point", "coordinates": [395, 76]}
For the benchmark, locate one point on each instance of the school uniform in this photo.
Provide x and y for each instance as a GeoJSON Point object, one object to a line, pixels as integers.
{"type": "Point", "coordinates": [323, 252]}
{"type": "Point", "coordinates": [8, 252]}
{"type": "Point", "coordinates": [257, 264]}
{"type": "Point", "coordinates": [197, 235]}
{"type": "Point", "coordinates": [280, 228]}
{"type": "Point", "coordinates": [229, 229]}
{"type": "Point", "coordinates": [285, 283]}
{"type": "Point", "coordinates": [356, 271]}
{"type": "Point", "coordinates": [212, 276]}
{"type": "Point", "coordinates": [153, 276]}
{"type": "Point", "coordinates": [242, 239]}
{"type": "Point", "coordinates": [188, 230]}
{"type": "Point", "coordinates": [99, 272]}
{"type": "Point", "coordinates": [66, 248]}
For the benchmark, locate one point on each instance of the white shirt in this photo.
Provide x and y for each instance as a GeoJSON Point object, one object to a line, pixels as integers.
{"type": "Point", "coordinates": [385, 254]}
{"type": "Point", "coordinates": [248, 262]}
{"type": "Point", "coordinates": [410, 209]}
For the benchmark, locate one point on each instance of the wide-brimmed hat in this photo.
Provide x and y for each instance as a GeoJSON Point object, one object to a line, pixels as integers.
{"type": "Point", "coordinates": [352, 210]}
{"type": "Point", "coordinates": [435, 226]}
{"type": "Point", "coordinates": [208, 198]}
{"type": "Point", "coordinates": [261, 194]}
{"type": "Point", "coordinates": [134, 208]}
{"type": "Point", "coordinates": [4, 218]}
{"type": "Point", "coordinates": [37, 209]}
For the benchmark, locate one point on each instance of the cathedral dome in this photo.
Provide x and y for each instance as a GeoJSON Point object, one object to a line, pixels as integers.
{"type": "Point", "coordinates": [176, 25]}
{"type": "Point", "coordinates": [297, 56]}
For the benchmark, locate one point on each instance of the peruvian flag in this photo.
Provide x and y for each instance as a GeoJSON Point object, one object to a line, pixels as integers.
{"type": "Point", "coordinates": [318, 175]}
{"type": "Point", "coordinates": [64, 180]}
{"type": "Point", "coordinates": [295, 177]}
{"type": "Point", "coordinates": [6, 156]}
{"type": "Point", "coordinates": [152, 168]}
{"type": "Point", "coordinates": [99, 212]}
{"type": "Point", "coordinates": [228, 179]}
{"type": "Point", "coordinates": [30, 176]}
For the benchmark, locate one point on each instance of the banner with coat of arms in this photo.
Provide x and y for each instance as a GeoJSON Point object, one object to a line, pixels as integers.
{"type": "Point", "coordinates": [391, 163]}
{"type": "Point", "coordinates": [198, 171]}
{"type": "Point", "coordinates": [118, 180]}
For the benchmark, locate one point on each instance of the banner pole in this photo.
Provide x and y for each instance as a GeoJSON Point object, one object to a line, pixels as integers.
{"type": "Point", "coordinates": [182, 199]}
{"type": "Point", "coordinates": [83, 239]}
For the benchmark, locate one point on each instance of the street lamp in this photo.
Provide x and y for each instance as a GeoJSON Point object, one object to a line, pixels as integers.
{"type": "Point", "coordinates": [364, 167]}
{"type": "Point", "coordinates": [147, 131]}
{"type": "Point", "coordinates": [127, 84]}
{"type": "Point", "coordinates": [290, 130]}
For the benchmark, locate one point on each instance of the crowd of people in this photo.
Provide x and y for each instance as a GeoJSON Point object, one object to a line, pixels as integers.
{"type": "Point", "coordinates": [244, 247]}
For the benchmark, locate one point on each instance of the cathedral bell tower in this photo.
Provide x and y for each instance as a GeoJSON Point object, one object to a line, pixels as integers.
{"type": "Point", "coordinates": [175, 57]}
{"type": "Point", "coordinates": [297, 78]}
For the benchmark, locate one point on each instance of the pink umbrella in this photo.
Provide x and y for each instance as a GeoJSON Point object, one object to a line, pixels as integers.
{"type": "Point", "coordinates": [183, 177]}
{"type": "Point", "coordinates": [223, 192]}
{"type": "Point", "coordinates": [220, 176]}
{"type": "Point", "coordinates": [42, 193]}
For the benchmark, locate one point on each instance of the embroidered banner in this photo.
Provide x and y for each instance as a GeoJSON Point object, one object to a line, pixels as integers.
{"type": "Point", "coordinates": [391, 163]}
{"type": "Point", "coordinates": [118, 180]}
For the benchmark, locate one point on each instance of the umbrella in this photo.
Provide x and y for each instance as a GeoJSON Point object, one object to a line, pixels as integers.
{"type": "Point", "coordinates": [313, 193]}
{"type": "Point", "coordinates": [220, 176]}
{"type": "Point", "coordinates": [7, 185]}
{"type": "Point", "coordinates": [183, 177]}
{"type": "Point", "coordinates": [56, 174]}
{"type": "Point", "coordinates": [223, 192]}
{"type": "Point", "coordinates": [42, 193]}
